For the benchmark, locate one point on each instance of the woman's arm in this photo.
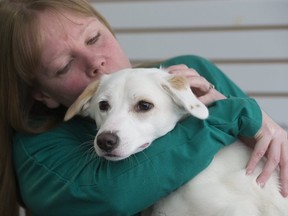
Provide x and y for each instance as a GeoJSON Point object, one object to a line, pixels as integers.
{"type": "Point", "coordinates": [271, 140]}
{"type": "Point", "coordinates": [59, 173]}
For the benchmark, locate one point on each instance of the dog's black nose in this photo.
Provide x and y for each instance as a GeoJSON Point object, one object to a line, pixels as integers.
{"type": "Point", "coordinates": [107, 141]}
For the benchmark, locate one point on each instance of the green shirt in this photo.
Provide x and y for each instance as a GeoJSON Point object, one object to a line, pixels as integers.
{"type": "Point", "coordinates": [59, 173]}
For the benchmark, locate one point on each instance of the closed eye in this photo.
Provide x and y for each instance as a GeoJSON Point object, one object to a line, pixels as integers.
{"type": "Point", "coordinates": [65, 69]}
{"type": "Point", "coordinates": [93, 40]}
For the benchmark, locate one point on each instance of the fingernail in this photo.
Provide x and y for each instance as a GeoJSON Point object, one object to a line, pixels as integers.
{"type": "Point", "coordinates": [261, 184]}
{"type": "Point", "coordinates": [248, 172]}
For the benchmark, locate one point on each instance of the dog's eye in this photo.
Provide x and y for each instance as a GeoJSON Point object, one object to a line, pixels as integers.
{"type": "Point", "coordinates": [104, 105]}
{"type": "Point", "coordinates": [143, 106]}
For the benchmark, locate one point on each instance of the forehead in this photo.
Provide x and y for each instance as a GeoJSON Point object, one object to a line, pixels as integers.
{"type": "Point", "coordinates": [51, 20]}
{"type": "Point", "coordinates": [56, 27]}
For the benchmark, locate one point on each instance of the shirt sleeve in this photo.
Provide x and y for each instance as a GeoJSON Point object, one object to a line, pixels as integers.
{"type": "Point", "coordinates": [224, 85]}
{"type": "Point", "coordinates": [59, 173]}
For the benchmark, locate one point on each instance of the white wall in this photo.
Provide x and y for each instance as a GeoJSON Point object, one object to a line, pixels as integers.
{"type": "Point", "coordinates": [248, 39]}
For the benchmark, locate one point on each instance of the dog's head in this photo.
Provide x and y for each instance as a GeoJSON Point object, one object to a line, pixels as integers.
{"type": "Point", "coordinates": [133, 107]}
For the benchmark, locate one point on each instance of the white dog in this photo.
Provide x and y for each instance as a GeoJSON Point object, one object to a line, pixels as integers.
{"type": "Point", "coordinates": [133, 107]}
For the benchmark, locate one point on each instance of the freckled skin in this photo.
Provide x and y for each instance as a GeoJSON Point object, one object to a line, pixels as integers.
{"type": "Point", "coordinates": [83, 46]}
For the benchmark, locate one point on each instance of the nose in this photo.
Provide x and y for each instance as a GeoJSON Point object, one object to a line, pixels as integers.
{"type": "Point", "coordinates": [107, 141]}
{"type": "Point", "coordinates": [94, 64]}
{"type": "Point", "coordinates": [97, 67]}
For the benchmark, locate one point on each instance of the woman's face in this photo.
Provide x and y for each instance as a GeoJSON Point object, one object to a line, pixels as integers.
{"type": "Point", "coordinates": [76, 51]}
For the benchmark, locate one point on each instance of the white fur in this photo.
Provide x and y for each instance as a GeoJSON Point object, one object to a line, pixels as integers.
{"type": "Point", "coordinates": [223, 189]}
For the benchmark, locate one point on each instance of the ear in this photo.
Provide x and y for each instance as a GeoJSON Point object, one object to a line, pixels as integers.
{"type": "Point", "coordinates": [178, 88]}
{"type": "Point", "coordinates": [82, 103]}
{"type": "Point", "coordinates": [45, 99]}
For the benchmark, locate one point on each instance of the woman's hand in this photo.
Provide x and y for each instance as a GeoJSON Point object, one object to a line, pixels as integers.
{"type": "Point", "coordinates": [271, 141]}
{"type": "Point", "coordinates": [203, 89]}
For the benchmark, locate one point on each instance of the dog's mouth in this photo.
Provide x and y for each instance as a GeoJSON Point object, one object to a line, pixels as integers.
{"type": "Point", "coordinates": [117, 157]}
{"type": "Point", "coordinates": [113, 157]}
{"type": "Point", "coordinates": [144, 146]}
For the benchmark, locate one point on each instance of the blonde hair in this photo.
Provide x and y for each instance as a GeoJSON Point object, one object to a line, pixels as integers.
{"type": "Point", "coordinates": [19, 56]}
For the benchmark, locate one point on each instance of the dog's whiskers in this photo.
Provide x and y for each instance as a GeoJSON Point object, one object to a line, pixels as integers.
{"type": "Point", "coordinates": [132, 160]}
{"type": "Point", "coordinates": [88, 152]}
{"type": "Point", "coordinates": [146, 156]}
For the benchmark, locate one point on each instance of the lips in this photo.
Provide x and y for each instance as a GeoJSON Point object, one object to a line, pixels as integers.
{"type": "Point", "coordinates": [111, 155]}
{"type": "Point", "coordinates": [115, 157]}
{"type": "Point", "coordinates": [144, 145]}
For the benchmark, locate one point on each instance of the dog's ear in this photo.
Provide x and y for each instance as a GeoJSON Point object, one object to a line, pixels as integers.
{"type": "Point", "coordinates": [82, 103]}
{"type": "Point", "coordinates": [178, 88]}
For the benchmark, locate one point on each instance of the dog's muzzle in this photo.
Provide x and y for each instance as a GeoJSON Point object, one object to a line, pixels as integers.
{"type": "Point", "coordinates": [107, 141]}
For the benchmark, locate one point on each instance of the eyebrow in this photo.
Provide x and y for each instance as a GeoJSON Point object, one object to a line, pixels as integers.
{"type": "Point", "coordinates": [84, 29]}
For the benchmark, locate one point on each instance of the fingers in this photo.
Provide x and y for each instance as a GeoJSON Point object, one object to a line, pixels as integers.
{"type": "Point", "coordinates": [284, 169]}
{"type": "Point", "coordinates": [271, 141]}
{"type": "Point", "coordinates": [202, 88]}
{"type": "Point", "coordinates": [199, 85]}
{"type": "Point", "coordinates": [211, 96]}
{"type": "Point", "coordinates": [182, 70]}
{"type": "Point", "coordinates": [257, 154]}
{"type": "Point", "coordinates": [273, 159]}
{"type": "Point", "coordinates": [275, 155]}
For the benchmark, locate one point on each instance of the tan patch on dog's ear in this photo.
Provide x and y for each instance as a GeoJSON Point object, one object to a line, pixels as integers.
{"type": "Point", "coordinates": [83, 101]}
{"type": "Point", "coordinates": [179, 90]}
{"type": "Point", "coordinates": [178, 82]}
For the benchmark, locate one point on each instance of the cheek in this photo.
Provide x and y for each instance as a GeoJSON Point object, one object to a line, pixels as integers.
{"type": "Point", "coordinates": [118, 59]}
{"type": "Point", "coordinates": [67, 91]}
{"type": "Point", "coordinates": [74, 87]}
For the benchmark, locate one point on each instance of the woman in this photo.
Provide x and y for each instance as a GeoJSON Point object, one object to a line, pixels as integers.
{"type": "Point", "coordinates": [50, 51]}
